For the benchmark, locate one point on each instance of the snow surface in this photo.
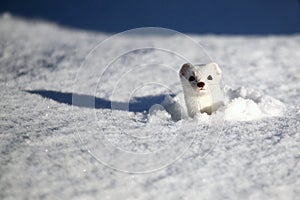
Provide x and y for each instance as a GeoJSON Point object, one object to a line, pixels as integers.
{"type": "Point", "coordinates": [146, 147]}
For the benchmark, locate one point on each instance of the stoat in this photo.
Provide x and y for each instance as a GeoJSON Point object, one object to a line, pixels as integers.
{"type": "Point", "coordinates": [202, 87]}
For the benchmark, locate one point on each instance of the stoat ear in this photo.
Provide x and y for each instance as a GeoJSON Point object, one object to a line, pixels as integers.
{"type": "Point", "coordinates": [216, 67]}
{"type": "Point", "coordinates": [184, 68]}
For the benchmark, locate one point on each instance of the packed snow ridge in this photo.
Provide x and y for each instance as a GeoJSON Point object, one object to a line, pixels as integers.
{"type": "Point", "coordinates": [241, 104]}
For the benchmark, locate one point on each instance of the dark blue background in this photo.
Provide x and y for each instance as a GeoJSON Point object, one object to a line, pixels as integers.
{"type": "Point", "coordinates": [202, 16]}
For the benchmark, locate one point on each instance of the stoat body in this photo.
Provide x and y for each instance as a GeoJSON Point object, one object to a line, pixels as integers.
{"type": "Point", "coordinates": [202, 87]}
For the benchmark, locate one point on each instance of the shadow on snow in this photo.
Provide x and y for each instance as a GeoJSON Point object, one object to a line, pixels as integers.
{"type": "Point", "coordinates": [138, 104]}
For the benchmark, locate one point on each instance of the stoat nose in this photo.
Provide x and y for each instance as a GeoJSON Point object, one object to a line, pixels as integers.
{"type": "Point", "coordinates": [201, 84]}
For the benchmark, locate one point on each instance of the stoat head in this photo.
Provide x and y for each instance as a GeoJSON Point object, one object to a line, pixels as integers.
{"type": "Point", "coordinates": [198, 78]}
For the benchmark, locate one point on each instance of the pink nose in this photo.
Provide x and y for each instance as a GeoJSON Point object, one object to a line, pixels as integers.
{"type": "Point", "coordinates": [200, 84]}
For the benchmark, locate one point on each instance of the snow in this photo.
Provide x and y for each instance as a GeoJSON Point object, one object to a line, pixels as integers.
{"type": "Point", "coordinates": [60, 139]}
{"type": "Point", "coordinates": [241, 104]}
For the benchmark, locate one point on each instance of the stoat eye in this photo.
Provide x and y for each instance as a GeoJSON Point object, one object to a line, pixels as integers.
{"type": "Point", "coordinates": [209, 77]}
{"type": "Point", "coordinates": [191, 78]}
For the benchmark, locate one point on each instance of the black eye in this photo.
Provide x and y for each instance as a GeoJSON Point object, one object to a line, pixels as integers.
{"type": "Point", "coordinates": [209, 77]}
{"type": "Point", "coordinates": [191, 78]}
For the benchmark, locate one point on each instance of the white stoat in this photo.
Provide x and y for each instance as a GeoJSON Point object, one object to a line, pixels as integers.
{"type": "Point", "coordinates": [202, 87]}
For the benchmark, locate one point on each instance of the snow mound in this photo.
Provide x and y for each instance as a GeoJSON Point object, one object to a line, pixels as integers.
{"type": "Point", "coordinates": [175, 107]}
{"type": "Point", "coordinates": [246, 104]}
{"type": "Point", "coordinates": [241, 104]}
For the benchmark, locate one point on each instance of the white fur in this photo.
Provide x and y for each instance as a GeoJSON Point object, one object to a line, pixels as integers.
{"type": "Point", "coordinates": [202, 99]}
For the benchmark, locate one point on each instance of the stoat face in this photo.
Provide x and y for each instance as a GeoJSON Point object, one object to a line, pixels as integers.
{"type": "Point", "coordinates": [197, 79]}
